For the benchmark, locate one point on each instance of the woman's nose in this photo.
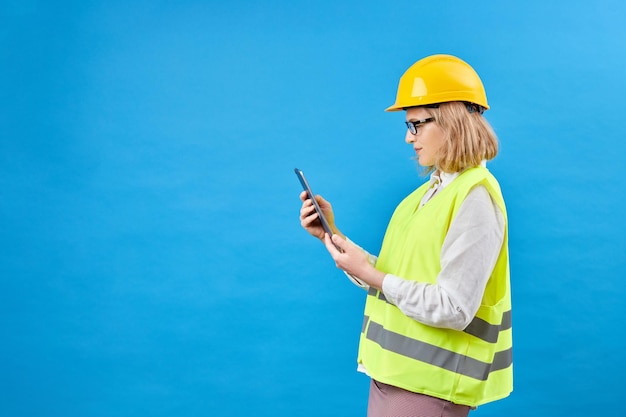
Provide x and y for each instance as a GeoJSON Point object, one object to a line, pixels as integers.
{"type": "Point", "coordinates": [410, 137]}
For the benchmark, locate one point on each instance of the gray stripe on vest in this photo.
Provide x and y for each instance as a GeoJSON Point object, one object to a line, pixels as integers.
{"type": "Point", "coordinates": [477, 327]}
{"type": "Point", "coordinates": [487, 331]}
{"type": "Point", "coordinates": [434, 355]}
{"type": "Point", "coordinates": [378, 294]}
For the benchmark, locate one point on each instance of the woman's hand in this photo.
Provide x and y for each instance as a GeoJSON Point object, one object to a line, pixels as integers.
{"type": "Point", "coordinates": [309, 219]}
{"type": "Point", "coordinates": [353, 261]}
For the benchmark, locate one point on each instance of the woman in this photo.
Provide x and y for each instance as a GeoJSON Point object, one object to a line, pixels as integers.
{"type": "Point", "coordinates": [436, 338]}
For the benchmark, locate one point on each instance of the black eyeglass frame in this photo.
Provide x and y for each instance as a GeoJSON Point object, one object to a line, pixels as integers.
{"type": "Point", "coordinates": [415, 126]}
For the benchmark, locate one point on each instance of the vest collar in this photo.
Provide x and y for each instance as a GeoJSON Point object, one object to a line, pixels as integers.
{"type": "Point", "coordinates": [445, 178]}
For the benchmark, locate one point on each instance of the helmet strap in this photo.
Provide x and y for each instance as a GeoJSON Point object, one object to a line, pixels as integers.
{"type": "Point", "coordinates": [474, 108]}
{"type": "Point", "coordinates": [471, 107]}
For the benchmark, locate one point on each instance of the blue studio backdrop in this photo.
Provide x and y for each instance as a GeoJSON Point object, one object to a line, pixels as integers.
{"type": "Point", "coordinates": [152, 261]}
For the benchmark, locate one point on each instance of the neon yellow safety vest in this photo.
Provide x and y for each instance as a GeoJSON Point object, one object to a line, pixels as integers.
{"type": "Point", "coordinates": [470, 367]}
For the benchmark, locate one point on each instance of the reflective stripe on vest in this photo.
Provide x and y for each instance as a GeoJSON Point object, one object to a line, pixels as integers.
{"type": "Point", "coordinates": [477, 327]}
{"type": "Point", "coordinates": [434, 355]}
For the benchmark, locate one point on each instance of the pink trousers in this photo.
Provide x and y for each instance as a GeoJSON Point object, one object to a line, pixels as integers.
{"type": "Point", "coordinates": [389, 401]}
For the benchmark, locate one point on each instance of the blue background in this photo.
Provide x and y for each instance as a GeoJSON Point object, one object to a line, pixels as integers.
{"type": "Point", "coordinates": [152, 262]}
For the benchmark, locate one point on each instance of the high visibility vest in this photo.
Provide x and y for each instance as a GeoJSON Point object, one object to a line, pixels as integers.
{"type": "Point", "coordinates": [470, 367]}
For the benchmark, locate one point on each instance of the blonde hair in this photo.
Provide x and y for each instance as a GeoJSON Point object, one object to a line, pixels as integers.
{"type": "Point", "coordinates": [468, 137]}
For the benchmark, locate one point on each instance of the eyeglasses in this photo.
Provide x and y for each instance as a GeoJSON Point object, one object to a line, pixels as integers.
{"type": "Point", "coordinates": [414, 127]}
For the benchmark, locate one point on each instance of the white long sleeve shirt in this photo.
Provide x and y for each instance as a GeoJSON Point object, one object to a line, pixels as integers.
{"type": "Point", "coordinates": [468, 255]}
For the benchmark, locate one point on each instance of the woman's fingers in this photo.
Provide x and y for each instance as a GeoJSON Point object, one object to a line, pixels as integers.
{"type": "Point", "coordinates": [307, 209]}
{"type": "Point", "coordinates": [306, 220]}
{"type": "Point", "coordinates": [330, 247]}
{"type": "Point", "coordinates": [333, 245]}
{"type": "Point", "coordinates": [309, 218]}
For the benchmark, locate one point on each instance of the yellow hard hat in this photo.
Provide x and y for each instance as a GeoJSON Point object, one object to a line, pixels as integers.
{"type": "Point", "coordinates": [439, 79]}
